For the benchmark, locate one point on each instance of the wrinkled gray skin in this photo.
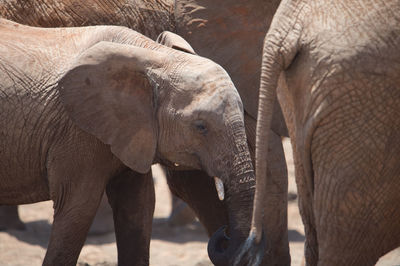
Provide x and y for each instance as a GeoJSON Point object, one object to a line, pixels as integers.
{"type": "Point", "coordinates": [85, 109]}
{"type": "Point", "coordinates": [340, 64]}
{"type": "Point", "coordinates": [231, 33]}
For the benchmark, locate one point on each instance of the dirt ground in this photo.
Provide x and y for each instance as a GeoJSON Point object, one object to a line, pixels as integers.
{"type": "Point", "coordinates": [170, 246]}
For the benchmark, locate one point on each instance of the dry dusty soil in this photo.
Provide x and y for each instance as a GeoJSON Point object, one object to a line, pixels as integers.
{"type": "Point", "coordinates": [183, 246]}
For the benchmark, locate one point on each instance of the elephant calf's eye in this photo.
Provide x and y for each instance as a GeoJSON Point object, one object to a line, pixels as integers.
{"type": "Point", "coordinates": [200, 127]}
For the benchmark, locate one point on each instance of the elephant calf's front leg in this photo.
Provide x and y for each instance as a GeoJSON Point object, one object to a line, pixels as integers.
{"type": "Point", "coordinates": [74, 210]}
{"type": "Point", "coordinates": [77, 179]}
{"type": "Point", "coordinates": [132, 199]}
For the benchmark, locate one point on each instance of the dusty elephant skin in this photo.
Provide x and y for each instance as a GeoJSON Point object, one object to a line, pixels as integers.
{"type": "Point", "coordinates": [89, 109]}
{"type": "Point", "coordinates": [341, 66]}
{"type": "Point", "coordinates": [230, 32]}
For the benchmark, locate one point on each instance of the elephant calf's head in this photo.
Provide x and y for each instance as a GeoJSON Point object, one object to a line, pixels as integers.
{"type": "Point", "coordinates": [201, 117]}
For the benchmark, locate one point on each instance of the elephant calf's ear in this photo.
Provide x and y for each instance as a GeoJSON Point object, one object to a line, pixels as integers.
{"type": "Point", "coordinates": [174, 41]}
{"type": "Point", "coordinates": [108, 95]}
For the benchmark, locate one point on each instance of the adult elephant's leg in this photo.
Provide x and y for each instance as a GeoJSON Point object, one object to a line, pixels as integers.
{"type": "Point", "coordinates": [356, 183]}
{"type": "Point", "coordinates": [275, 202]}
{"type": "Point", "coordinates": [132, 199]}
{"type": "Point", "coordinates": [9, 218]}
{"type": "Point", "coordinates": [197, 189]}
{"type": "Point", "coordinates": [305, 199]}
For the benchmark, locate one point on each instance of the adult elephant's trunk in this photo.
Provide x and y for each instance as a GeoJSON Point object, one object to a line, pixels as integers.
{"type": "Point", "coordinates": [239, 190]}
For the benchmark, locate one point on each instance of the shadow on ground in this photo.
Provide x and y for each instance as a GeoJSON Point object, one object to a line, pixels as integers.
{"type": "Point", "coordinates": [178, 234]}
{"type": "Point", "coordinates": [38, 233]}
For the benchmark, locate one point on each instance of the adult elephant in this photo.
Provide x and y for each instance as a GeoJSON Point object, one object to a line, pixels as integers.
{"type": "Point", "coordinates": [84, 109]}
{"type": "Point", "coordinates": [341, 66]}
{"type": "Point", "coordinates": [231, 33]}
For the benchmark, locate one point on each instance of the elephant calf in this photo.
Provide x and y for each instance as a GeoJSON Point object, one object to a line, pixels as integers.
{"type": "Point", "coordinates": [83, 110]}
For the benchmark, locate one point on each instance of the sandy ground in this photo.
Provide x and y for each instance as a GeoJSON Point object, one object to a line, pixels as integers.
{"type": "Point", "coordinates": [170, 246]}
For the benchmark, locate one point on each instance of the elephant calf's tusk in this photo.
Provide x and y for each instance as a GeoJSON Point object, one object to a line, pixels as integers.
{"type": "Point", "coordinates": [220, 188]}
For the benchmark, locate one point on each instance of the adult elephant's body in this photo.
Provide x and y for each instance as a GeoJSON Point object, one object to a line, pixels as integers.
{"type": "Point", "coordinates": [342, 103]}
{"type": "Point", "coordinates": [88, 109]}
{"type": "Point", "coordinates": [147, 17]}
{"type": "Point", "coordinates": [228, 32]}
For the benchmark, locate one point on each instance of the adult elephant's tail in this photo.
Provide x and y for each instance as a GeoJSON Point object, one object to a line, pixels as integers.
{"type": "Point", "coordinates": [280, 47]}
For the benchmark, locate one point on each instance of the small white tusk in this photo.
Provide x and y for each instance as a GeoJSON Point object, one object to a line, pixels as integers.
{"type": "Point", "coordinates": [176, 164]}
{"type": "Point", "coordinates": [220, 188]}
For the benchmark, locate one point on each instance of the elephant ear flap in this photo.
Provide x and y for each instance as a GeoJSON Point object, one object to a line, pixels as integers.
{"type": "Point", "coordinates": [174, 41]}
{"type": "Point", "coordinates": [107, 94]}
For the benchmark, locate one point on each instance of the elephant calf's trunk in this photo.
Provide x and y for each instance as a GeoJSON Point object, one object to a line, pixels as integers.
{"type": "Point", "coordinates": [224, 243]}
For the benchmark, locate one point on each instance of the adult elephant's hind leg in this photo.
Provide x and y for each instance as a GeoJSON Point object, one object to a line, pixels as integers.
{"type": "Point", "coordinates": [132, 199]}
{"type": "Point", "coordinates": [357, 184]}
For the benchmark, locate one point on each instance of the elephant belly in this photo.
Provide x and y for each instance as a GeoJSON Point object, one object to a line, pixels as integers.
{"type": "Point", "coordinates": [22, 179]}
{"type": "Point", "coordinates": [16, 189]}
